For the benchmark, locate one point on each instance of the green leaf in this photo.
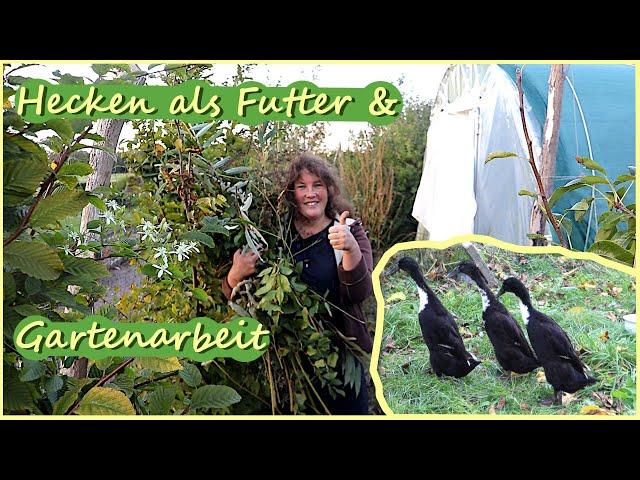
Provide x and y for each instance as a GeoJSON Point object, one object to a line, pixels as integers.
{"type": "Point", "coordinates": [148, 270]}
{"type": "Point", "coordinates": [124, 383]}
{"type": "Point", "coordinates": [93, 224]}
{"type": "Point", "coordinates": [24, 149]}
{"type": "Point", "coordinates": [16, 395]}
{"type": "Point", "coordinates": [9, 287]}
{"type": "Point", "coordinates": [33, 258]}
{"type": "Point", "coordinates": [96, 202]}
{"type": "Point", "coordinates": [625, 177]}
{"type": "Point", "coordinates": [611, 249]}
{"type": "Point", "coordinates": [31, 370]}
{"type": "Point", "coordinates": [200, 294]}
{"type": "Point", "coordinates": [575, 184]}
{"type": "Point", "coordinates": [84, 266]}
{"type": "Point", "coordinates": [198, 236]}
{"type": "Point", "coordinates": [191, 375]}
{"type": "Point", "coordinates": [581, 205]}
{"type": "Point", "coordinates": [52, 387]}
{"type": "Point", "coordinates": [60, 205]}
{"type": "Point", "coordinates": [32, 285]}
{"type": "Point", "coordinates": [26, 310]}
{"type": "Point", "coordinates": [590, 164]}
{"type": "Point", "coordinates": [160, 365]}
{"type": "Point", "coordinates": [237, 170]}
{"type": "Point", "coordinates": [214, 396]}
{"type": "Point", "coordinates": [105, 401]}
{"type": "Point", "coordinates": [65, 402]}
{"type": "Point", "coordinates": [104, 363]}
{"type": "Point", "coordinates": [494, 155]}
{"type": "Point", "coordinates": [160, 400]}
{"type": "Point", "coordinates": [78, 169]}
{"type": "Point", "coordinates": [66, 299]}
{"type": "Point", "coordinates": [213, 225]}
{"type": "Point", "coordinates": [527, 193]}
{"type": "Point", "coordinates": [62, 127]}
{"type": "Point", "coordinates": [535, 236]}
{"type": "Point", "coordinates": [21, 179]}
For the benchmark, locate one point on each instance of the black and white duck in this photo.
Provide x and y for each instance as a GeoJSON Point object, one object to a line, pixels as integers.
{"type": "Point", "coordinates": [513, 352]}
{"type": "Point", "coordinates": [562, 367]}
{"type": "Point", "coordinates": [447, 353]}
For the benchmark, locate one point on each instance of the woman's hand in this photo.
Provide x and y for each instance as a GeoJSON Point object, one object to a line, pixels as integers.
{"type": "Point", "coordinates": [340, 236]}
{"type": "Point", "coordinates": [244, 265]}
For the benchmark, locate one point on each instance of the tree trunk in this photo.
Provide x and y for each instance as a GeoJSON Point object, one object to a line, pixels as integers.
{"type": "Point", "coordinates": [549, 147]}
{"type": "Point", "coordinates": [102, 163]}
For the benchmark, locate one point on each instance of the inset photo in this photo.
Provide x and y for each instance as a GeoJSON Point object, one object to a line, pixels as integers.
{"type": "Point", "coordinates": [474, 328]}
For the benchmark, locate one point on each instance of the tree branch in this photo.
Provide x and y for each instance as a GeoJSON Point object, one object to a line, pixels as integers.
{"type": "Point", "coordinates": [543, 195]}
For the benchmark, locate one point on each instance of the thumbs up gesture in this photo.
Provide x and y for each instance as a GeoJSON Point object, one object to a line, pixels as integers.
{"type": "Point", "coordinates": [340, 236]}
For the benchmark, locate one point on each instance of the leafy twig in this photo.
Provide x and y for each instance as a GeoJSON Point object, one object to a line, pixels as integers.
{"type": "Point", "coordinates": [44, 187]}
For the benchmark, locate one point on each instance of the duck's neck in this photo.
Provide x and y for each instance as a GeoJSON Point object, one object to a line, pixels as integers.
{"type": "Point", "coordinates": [488, 298]}
{"type": "Point", "coordinates": [525, 308]}
{"type": "Point", "coordinates": [426, 295]}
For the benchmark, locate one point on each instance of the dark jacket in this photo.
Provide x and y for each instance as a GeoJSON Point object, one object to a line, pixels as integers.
{"type": "Point", "coordinates": [355, 287]}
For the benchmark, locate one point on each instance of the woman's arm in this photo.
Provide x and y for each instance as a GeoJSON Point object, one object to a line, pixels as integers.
{"type": "Point", "coordinates": [356, 279]}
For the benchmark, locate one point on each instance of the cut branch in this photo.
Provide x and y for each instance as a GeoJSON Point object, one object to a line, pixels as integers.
{"type": "Point", "coordinates": [536, 173]}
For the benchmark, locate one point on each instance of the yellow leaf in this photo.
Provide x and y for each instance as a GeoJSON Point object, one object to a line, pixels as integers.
{"type": "Point", "coordinates": [576, 309]}
{"type": "Point", "coordinates": [53, 165]}
{"type": "Point", "coordinates": [159, 148]}
{"type": "Point", "coordinates": [178, 144]}
{"type": "Point", "coordinates": [105, 401]}
{"type": "Point", "coordinates": [540, 377]}
{"type": "Point", "coordinates": [397, 297]}
{"type": "Point", "coordinates": [7, 104]}
{"type": "Point", "coordinates": [604, 336]}
{"type": "Point", "coordinates": [160, 365]}
{"type": "Point", "coordinates": [593, 410]}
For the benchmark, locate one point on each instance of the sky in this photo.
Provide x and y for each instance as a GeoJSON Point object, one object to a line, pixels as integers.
{"type": "Point", "coordinates": [418, 81]}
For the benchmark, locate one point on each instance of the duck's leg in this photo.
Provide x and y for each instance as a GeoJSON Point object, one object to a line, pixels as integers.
{"type": "Point", "coordinates": [557, 395]}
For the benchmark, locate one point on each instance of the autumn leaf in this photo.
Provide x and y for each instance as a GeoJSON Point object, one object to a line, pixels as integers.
{"type": "Point", "coordinates": [501, 403]}
{"type": "Point", "coordinates": [605, 400]}
{"type": "Point", "coordinates": [615, 291]}
{"type": "Point", "coordinates": [593, 410]}
{"type": "Point", "coordinates": [604, 336]}
{"type": "Point", "coordinates": [611, 316]}
{"type": "Point", "coordinates": [525, 407]}
{"type": "Point", "coordinates": [159, 148]}
{"type": "Point", "coordinates": [540, 377]}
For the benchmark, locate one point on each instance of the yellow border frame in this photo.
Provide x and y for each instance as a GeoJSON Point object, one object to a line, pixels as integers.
{"type": "Point", "coordinates": [385, 258]}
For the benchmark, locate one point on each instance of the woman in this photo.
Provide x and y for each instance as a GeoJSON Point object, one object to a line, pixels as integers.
{"type": "Point", "coordinates": [336, 257]}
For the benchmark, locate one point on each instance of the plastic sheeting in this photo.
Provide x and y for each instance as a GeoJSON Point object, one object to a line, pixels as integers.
{"type": "Point", "coordinates": [476, 113]}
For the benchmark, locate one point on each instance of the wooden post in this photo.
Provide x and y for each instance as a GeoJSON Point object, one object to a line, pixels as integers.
{"type": "Point", "coordinates": [549, 147]}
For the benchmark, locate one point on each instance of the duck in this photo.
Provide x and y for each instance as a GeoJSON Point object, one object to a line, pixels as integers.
{"type": "Point", "coordinates": [562, 367]}
{"type": "Point", "coordinates": [447, 353]}
{"type": "Point", "coordinates": [513, 352]}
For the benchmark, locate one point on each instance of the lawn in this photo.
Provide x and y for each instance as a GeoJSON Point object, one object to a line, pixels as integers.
{"type": "Point", "coordinates": [587, 299]}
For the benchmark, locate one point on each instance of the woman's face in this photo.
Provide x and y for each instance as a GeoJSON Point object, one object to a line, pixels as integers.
{"type": "Point", "coordinates": [311, 195]}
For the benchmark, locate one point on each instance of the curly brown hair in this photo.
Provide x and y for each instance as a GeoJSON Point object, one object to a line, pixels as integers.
{"type": "Point", "coordinates": [336, 203]}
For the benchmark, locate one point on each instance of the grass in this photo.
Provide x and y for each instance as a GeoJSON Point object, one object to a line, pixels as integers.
{"type": "Point", "coordinates": [585, 298]}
